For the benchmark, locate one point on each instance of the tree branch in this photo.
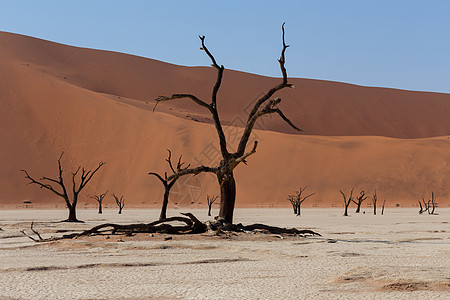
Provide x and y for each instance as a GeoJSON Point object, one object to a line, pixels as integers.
{"type": "Point", "coordinates": [42, 185]}
{"type": "Point", "coordinates": [244, 157]}
{"type": "Point", "coordinates": [283, 84]}
{"type": "Point", "coordinates": [159, 177]}
{"type": "Point", "coordinates": [270, 108]}
{"type": "Point", "coordinates": [193, 171]}
{"type": "Point", "coordinates": [181, 96]}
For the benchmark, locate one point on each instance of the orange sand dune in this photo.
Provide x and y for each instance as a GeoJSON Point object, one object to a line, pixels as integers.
{"type": "Point", "coordinates": [319, 107]}
{"type": "Point", "coordinates": [91, 104]}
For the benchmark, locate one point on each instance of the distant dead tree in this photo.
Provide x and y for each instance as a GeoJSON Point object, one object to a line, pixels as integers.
{"type": "Point", "coordinates": [99, 199]}
{"type": "Point", "coordinates": [298, 198]}
{"type": "Point", "coordinates": [359, 200]}
{"type": "Point", "coordinates": [347, 201]}
{"type": "Point", "coordinates": [423, 208]}
{"type": "Point", "coordinates": [429, 206]}
{"type": "Point", "coordinates": [210, 200]}
{"type": "Point", "coordinates": [293, 201]}
{"type": "Point", "coordinates": [119, 201]}
{"type": "Point", "coordinates": [382, 208]}
{"type": "Point", "coordinates": [225, 169]}
{"type": "Point", "coordinates": [58, 186]}
{"type": "Point", "coordinates": [433, 203]}
{"type": "Point", "coordinates": [169, 182]}
{"type": "Point", "coordinates": [374, 202]}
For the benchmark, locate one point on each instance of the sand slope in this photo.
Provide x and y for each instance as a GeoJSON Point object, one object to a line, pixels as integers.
{"type": "Point", "coordinates": [92, 104]}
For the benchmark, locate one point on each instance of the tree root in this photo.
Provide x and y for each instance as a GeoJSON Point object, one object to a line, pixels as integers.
{"type": "Point", "coordinates": [192, 226]}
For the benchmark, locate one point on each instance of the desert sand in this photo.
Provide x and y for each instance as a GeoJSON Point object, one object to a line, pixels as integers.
{"type": "Point", "coordinates": [97, 106]}
{"type": "Point", "coordinates": [400, 255]}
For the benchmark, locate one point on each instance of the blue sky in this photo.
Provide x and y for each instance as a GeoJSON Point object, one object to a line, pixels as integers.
{"type": "Point", "coordinates": [391, 43]}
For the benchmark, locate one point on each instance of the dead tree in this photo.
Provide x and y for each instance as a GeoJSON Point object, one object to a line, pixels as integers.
{"type": "Point", "coordinates": [429, 206]}
{"type": "Point", "coordinates": [347, 201]}
{"type": "Point", "coordinates": [99, 199]}
{"type": "Point", "coordinates": [191, 226]}
{"type": "Point", "coordinates": [422, 209]}
{"type": "Point", "coordinates": [359, 200]}
{"type": "Point", "coordinates": [293, 201]}
{"type": "Point", "coordinates": [225, 169]}
{"type": "Point", "coordinates": [299, 198]}
{"type": "Point", "coordinates": [169, 182]}
{"type": "Point", "coordinates": [58, 186]}
{"type": "Point", "coordinates": [382, 208]}
{"type": "Point", "coordinates": [374, 202]}
{"type": "Point", "coordinates": [120, 202]}
{"type": "Point", "coordinates": [210, 200]}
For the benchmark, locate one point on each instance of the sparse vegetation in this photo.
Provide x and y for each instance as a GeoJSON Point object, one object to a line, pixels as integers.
{"type": "Point", "coordinates": [298, 198]}
{"type": "Point", "coordinates": [374, 202]}
{"type": "Point", "coordinates": [58, 186]}
{"type": "Point", "coordinates": [169, 182]}
{"type": "Point", "coordinates": [210, 200]}
{"type": "Point", "coordinates": [359, 200]}
{"type": "Point", "coordinates": [347, 201]}
{"type": "Point", "coordinates": [99, 199]}
{"type": "Point", "coordinates": [428, 206]}
{"type": "Point", "coordinates": [120, 202]}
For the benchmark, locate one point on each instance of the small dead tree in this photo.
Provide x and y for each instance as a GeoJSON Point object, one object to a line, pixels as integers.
{"type": "Point", "coordinates": [347, 201]}
{"type": "Point", "coordinates": [382, 208]}
{"type": "Point", "coordinates": [168, 182]}
{"type": "Point", "coordinates": [293, 201]}
{"type": "Point", "coordinates": [433, 203]}
{"type": "Point", "coordinates": [374, 202]}
{"type": "Point", "coordinates": [119, 201]}
{"type": "Point", "coordinates": [429, 206]}
{"type": "Point", "coordinates": [58, 186]}
{"type": "Point", "coordinates": [359, 200]}
{"type": "Point", "coordinates": [224, 171]}
{"type": "Point", "coordinates": [99, 199]}
{"type": "Point", "coordinates": [423, 208]}
{"type": "Point", "coordinates": [299, 198]}
{"type": "Point", "coordinates": [210, 200]}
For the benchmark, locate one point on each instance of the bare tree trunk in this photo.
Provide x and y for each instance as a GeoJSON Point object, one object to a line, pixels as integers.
{"type": "Point", "coordinates": [72, 214]}
{"type": "Point", "coordinates": [382, 208]}
{"type": "Point", "coordinates": [374, 202]}
{"type": "Point", "coordinates": [358, 208]}
{"type": "Point", "coordinates": [163, 214]}
{"type": "Point", "coordinates": [100, 211]}
{"type": "Point", "coordinates": [209, 210]}
{"type": "Point", "coordinates": [346, 210]}
{"type": "Point", "coordinates": [298, 209]}
{"type": "Point", "coordinates": [227, 196]}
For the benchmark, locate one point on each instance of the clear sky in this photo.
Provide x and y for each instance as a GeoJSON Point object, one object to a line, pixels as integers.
{"type": "Point", "coordinates": [391, 43]}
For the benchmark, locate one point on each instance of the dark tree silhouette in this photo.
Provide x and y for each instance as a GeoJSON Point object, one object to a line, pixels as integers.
{"type": "Point", "coordinates": [347, 201]}
{"type": "Point", "coordinates": [120, 202]}
{"type": "Point", "coordinates": [428, 206]}
{"type": "Point", "coordinates": [374, 202]}
{"type": "Point", "coordinates": [169, 182]}
{"type": "Point", "coordinates": [382, 208]}
{"type": "Point", "coordinates": [433, 203]}
{"type": "Point", "coordinates": [359, 200]}
{"type": "Point", "coordinates": [58, 186]}
{"type": "Point", "coordinates": [210, 200]}
{"type": "Point", "coordinates": [293, 201]}
{"type": "Point", "coordinates": [422, 208]}
{"type": "Point", "coordinates": [225, 170]}
{"type": "Point", "coordinates": [99, 199]}
{"type": "Point", "coordinates": [298, 198]}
